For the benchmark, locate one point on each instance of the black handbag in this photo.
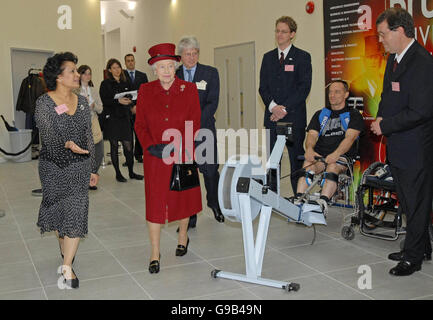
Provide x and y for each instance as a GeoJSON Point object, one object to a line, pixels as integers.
{"type": "Point", "coordinates": [184, 176]}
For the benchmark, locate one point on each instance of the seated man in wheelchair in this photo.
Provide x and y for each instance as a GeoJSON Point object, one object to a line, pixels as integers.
{"type": "Point", "coordinates": [331, 137]}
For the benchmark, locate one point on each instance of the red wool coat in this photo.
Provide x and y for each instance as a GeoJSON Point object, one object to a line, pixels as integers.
{"type": "Point", "coordinates": [158, 110]}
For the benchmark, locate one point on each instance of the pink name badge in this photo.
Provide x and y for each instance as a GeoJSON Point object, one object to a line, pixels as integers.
{"type": "Point", "coordinates": [61, 109]}
{"type": "Point", "coordinates": [395, 86]}
{"type": "Point", "coordinates": [289, 67]}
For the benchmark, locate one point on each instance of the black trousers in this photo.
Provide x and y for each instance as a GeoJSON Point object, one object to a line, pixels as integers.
{"type": "Point", "coordinates": [415, 192]}
{"type": "Point", "coordinates": [295, 150]}
{"type": "Point", "coordinates": [138, 150]}
{"type": "Point", "coordinates": [211, 177]}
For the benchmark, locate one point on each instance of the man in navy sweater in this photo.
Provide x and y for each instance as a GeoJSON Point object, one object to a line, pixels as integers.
{"type": "Point", "coordinates": [285, 82]}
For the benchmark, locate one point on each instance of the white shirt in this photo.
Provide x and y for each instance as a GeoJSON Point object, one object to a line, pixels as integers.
{"type": "Point", "coordinates": [85, 91]}
{"type": "Point", "coordinates": [285, 52]}
{"type": "Point", "coordinates": [400, 56]}
{"type": "Point", "coordinates": [129, 73]}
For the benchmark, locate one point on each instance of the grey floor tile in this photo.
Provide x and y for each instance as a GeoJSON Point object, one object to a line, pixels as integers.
{"type": "Point", "coordinates": [31, 231]}
{"type": "Point", "coordinates": [331, 255]}
{"type": "Point", "coordinates": [183, 282]}
{"type": "Point", "coordinates": [214, 246]}
{"type": "Point", "coordinates": [9, 232]}
{"type": "Point", "coordinates": [13, 252]}
{"type": "Point", "coordinates": [112, 288]}
{"type": "Point", "coordinates": [424, 298]}
{"type": "Point", "coordinates": [386, 286]}
{"type": "Point", "coordinates": [136, 259]}
{"type": "Point", "coordinates": [291, 235]}
{"type": "Point", "coordinates": [377, 246]}
{"type": "Point", "coordinates": [18, 276]}
{"type": "Point", "coordinates": [121, 218]}
{"type": "Point", "coordinates": [34, 294]}
{"type": "Point", "coordinates": [123, 237]}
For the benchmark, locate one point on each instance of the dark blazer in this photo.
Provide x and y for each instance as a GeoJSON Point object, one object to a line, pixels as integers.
{"type": "Point", "coordinates": [140, 78]}
{"type": "Point", "coordinates": [287, 88]}
{"type": "Point", "coordinates": [32, 87]}
{"type": "Point", "coordinates": [208, 98]}
{"type": "Point", "coordinates": [116, 117]}
{"type": "Point", "coordinates": [408, 112]}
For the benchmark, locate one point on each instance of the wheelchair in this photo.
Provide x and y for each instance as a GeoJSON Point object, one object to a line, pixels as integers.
{"type": "Point", "coordinates": [377, 212]}
{"type": "Point", "coordinates": [376, 201]}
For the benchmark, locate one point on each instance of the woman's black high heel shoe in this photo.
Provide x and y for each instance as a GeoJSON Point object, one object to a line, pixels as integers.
{"type": "Point", "coordinates": [71, 283]}
{"type": "Point", "coordinates": [154, 265]}
{"type": "Point", "coordinates": [182, 250]}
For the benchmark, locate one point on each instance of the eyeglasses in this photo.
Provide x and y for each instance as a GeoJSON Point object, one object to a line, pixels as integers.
{"type": "Point", "coordinates": [191, 54]}
{"type": "Point", "coordinates": [282, 31]}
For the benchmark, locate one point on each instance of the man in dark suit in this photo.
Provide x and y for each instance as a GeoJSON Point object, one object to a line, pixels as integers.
{"type": "Point", "coordinates": [208, 85]}
{"type": "Point", "coordinates": [136, 78]}
{"type": "Point", "coordinates": [405, 117]}
{"type": "Point", "coordinates": [285, 82]}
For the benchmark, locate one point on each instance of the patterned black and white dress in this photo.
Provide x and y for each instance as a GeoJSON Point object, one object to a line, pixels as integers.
{"type": "Point", "coordinates": [64, 175]}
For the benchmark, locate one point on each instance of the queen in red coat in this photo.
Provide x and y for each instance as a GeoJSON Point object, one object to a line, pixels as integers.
{"type": "Point", "coordinates": [165, 105]}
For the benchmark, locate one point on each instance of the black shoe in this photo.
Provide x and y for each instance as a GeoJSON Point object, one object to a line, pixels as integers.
{"type": "Point", "coordinates": [120, 178]}
{"type": "Point", "coordinates": [136, 176]}
{"type": "Point", "coordinates": [154, 265]}
{"type": "Point", "coordinates": [182, 250]}
{"type": "Point", "coordinates": [72, 283]}
{"type": "Point", "coordinates": [399, 256]}
{"type": "Point", "coordinates": [93, 188]}
{"type": "Point", "coordinates": [405, 268]}
{"type": "Point", "coordinates": [69, 283]}
{"type": "Point", "coordinates": [218, 214]}
{"type": "Point", "coordinates": [37, 192]}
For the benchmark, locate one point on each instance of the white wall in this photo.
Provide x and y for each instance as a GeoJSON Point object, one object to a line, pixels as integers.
{"type": "Point", "coordinates": [127, 27]}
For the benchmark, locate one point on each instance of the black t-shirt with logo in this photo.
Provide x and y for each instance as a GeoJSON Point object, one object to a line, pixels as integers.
{"type": "Point", "coordinates": [333, 133]}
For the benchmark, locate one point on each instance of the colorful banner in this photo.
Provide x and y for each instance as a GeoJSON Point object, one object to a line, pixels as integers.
{"type": "Point", "coordinates": [353, 53]}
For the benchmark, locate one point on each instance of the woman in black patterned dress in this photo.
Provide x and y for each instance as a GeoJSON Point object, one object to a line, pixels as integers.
{"type": "Point", "coordinates": [66, 163]}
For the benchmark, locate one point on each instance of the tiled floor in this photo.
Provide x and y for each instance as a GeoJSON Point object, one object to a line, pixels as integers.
{"type": "Point", "coordinates": [112, 261]}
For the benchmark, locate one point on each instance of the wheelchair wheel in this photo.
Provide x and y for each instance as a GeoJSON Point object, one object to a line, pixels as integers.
{"type": "Point", "coordinates": [348, 233]}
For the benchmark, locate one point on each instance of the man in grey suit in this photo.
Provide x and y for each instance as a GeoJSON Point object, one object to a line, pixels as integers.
{"type": "Point", "coordinates": [207, 80]}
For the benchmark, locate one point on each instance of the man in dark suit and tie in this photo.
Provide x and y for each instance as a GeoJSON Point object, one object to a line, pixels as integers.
{"type": "Point", "coordinates": [285, 82]}
{"type": "Point", "coordinates": [405, 117]}
{"type": "Point", "coordinates": [136, 78]}
{"type": "Point", "coordinates": [208, 85]}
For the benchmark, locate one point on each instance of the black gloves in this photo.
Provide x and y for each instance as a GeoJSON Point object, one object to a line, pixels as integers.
{"type": "Point", "coordinates": [161, 150]}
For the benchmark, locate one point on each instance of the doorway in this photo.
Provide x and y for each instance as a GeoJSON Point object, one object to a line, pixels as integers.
{"type": "Point", "coordinates": [237, 104]}
{"type": "Point", "coordinates": [112, 44]}
{"type": "Point", "coordinates": [22, 61]}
